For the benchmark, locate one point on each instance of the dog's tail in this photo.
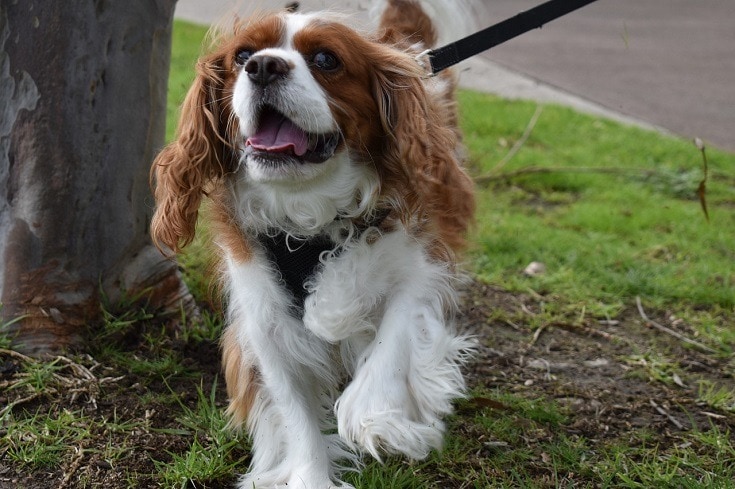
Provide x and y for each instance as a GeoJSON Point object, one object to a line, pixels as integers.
{"type": "Point", "coordinates": [430, 23]}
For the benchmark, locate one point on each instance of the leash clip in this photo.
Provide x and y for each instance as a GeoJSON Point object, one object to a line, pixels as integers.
{"type": "Point", "coordinates": [424, 61]}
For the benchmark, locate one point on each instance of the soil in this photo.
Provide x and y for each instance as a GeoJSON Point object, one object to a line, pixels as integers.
{"type": "Point", "coordinates": [587, 367]}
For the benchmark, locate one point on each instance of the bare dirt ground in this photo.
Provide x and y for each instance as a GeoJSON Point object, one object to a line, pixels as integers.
{"type": "Point", "coordinates": [585, 367]}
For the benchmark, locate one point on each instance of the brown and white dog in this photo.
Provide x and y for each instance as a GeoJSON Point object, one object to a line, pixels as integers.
{"type": "Point", "coordinates": [306, 134]}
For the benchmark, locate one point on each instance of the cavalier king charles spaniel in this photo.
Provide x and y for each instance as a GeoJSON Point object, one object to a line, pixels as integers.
{"type": "Point", "coordinates": [338, 206]}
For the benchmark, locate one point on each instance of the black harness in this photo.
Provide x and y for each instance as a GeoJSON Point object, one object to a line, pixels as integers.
{"type": "Point", "coordinates": [296, 259]}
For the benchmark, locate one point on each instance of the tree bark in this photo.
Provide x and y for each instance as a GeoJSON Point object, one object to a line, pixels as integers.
{"type": "Point", "coordinates": [82, 97]}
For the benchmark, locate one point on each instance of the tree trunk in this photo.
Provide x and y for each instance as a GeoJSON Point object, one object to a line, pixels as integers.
{"type": "Point", "coordinates": [82, 97]}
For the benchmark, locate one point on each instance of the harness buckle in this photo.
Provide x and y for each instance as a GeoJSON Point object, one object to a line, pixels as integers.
{"type": "Point", "coordinates": [424, 61]}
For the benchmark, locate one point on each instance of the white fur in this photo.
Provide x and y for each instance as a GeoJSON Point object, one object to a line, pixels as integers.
{"type": "Point", "coordinates": [389, 321]}
{"type": "Point", "coordinates": [379, 314]}
{"type": "Point", "coordinates": [339, 188]}
{"type": "Point", "coordinates": [301, 99]}
{"type": "Point", "coordinates": [403, 355]}
{"type": "Point", "coordinates": [299, 381]}
{"type": "Point", "coordinates": [302, 199]}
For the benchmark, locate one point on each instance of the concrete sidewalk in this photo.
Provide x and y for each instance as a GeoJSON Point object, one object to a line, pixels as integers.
{"type": "Point", "coordinates": [554, 60]}
{"type": "Point", "coordinates": [668, 62]}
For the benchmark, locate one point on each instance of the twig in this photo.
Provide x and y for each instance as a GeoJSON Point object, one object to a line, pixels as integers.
{"type": "Point", "coordinates": [107, 380]}
{"type": "Point", "coordinates": [13, 353]}
{"type": "Point", "coordinates": [576, 329]}
{"type": "Point", "coordinates": [664, 412]}
{"type": "Point", "coordinates": [713, 415]}
{"type": "Point", "coordinates": [73, 467]}
{"type": "Point", "coordinates": [511, 324]}
{"type": "Point", "coordinates": [525, 309]}
{"type": "Point", "coordinates": [669, 331]}
{"type": "Point", "coordinates": [537, 333]}
{"type": "Point", "coordinates": [79, 369]}
{"type": "Point", "coordinates": [492, 177]}
{"type": "Point", "coordinates": [22, 400]}
{"type": "Point", "coordinates": [519, 144]}
{"type": "Point", "coordinates": [581, 328]}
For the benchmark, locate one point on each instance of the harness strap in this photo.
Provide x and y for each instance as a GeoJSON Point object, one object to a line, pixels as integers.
{"type": "Point", "coordinates": [451, 54]}
{"type": "Point", "coordinates": [297, 259]}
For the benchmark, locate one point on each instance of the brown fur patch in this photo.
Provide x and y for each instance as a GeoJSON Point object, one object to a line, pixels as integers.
{"type": "Point", "coordinates": [240, 376]}
{"type": "Point", "coordinates": [226, 232]}
{"type": "Point", "coordinates": [405, 22]}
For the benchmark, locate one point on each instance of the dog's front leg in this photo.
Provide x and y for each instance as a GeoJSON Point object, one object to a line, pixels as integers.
{"type": "Point", "coordinates": [296, 377]}
{"type": "Point", "coordinates": [406, 377]}
{"type": "Point", "coordinates": [349, 289]}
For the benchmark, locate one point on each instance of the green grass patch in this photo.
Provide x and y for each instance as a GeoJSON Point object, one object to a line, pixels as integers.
{"type": "Point", "coordinates": [215, 452]}
{"type": "Point", "coordinates": [611, 210]}
{"type": "Point", "coordinates": [185, 50]}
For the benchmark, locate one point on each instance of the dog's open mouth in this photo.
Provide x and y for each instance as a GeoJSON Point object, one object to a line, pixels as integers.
{"type": "Point", "coordinates": [277, 136]}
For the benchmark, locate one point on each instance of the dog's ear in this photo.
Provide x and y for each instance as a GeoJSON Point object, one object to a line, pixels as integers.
{"type": "Point", "coordinates": [199, 155]}
{"type": "Point", "coordinates": [422, 152]}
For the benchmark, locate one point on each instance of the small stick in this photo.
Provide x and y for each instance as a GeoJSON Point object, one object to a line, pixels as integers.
{"type": "Point", "coordinates": [22, 400]}
{"type": "Point", "coordinates": [512, 324]}
{"type": "Point", "coordinates": [562, 169]}
{"type": "Point", "coordinates": [519, 144]}
{"type": "Point", "coordinates": [537, 333]}
{"type": "Point", "coordinates": [573, 328]}
{"type": "Point", "coordinates": [666, 413]}
{"type": "Point", "coordinates": [80, 370]}
{"type": "Point", "coordinates": [669, 331]}
{"type": "Point", "coordinates": [15, 354]}
{"type": "Point", "coordinates": [73, 467]}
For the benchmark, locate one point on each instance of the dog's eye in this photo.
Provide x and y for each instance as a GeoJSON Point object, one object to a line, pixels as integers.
{"type": "Point", "coordinates": [243, 56]}
{"type": "Point", "coordinates": [325, 61]}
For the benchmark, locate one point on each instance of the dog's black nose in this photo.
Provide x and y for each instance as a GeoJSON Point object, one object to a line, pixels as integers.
{"type": "Point", "coordinates": [264, 69]}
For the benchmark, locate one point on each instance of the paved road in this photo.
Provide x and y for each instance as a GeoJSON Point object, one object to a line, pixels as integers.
{"type": "Point", "coordinates": [669, 63]}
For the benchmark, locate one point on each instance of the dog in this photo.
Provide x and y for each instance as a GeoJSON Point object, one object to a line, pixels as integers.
{"type": "Point", "coordinates": [338, 205]}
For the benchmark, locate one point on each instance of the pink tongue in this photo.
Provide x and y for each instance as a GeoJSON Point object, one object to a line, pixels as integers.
{"type": "Point", "coordinates": [278, 134]}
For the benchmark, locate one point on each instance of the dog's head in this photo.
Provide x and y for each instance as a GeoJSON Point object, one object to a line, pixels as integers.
{"type": "Point", "coordinates": [287, 102]}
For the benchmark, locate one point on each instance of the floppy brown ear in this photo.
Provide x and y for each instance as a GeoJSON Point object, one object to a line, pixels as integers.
{"type": "Point", "coordinates": [424, 150]}
{"type": "Point", "coordinates": [200, 154]}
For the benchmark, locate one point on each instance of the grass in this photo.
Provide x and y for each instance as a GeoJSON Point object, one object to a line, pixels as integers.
{"type": "Point", "coordinates": [210, 456]}
{"type": "Point", "coordinates": [163, 430]}
{"type": "Point", "coordinates": [612, 212]}
{"type": "Point", "coordinates": [604, 237]}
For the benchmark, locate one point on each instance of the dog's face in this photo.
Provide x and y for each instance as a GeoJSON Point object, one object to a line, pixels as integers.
{"type": "Point", "coordinates": [302, 107]}
{"type": "Point", "coordinates": [303, 94]}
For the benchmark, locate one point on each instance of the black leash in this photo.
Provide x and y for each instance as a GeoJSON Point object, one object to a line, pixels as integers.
{"type": "Point", "coordinates": [451, 54]}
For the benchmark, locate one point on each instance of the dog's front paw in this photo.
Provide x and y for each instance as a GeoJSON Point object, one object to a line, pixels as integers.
{"type": "Point", "coordinates": [391, 432]}
{"type": "Point", "coordinates": [380, 422]}
{"type": "Point", "coordinates": [300, 478]}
